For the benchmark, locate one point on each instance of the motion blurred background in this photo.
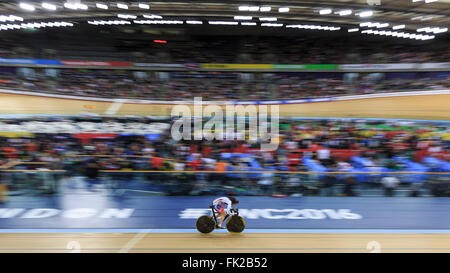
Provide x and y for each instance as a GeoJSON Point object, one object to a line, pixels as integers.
{"type": "Point", "coordinates": [87, 88]}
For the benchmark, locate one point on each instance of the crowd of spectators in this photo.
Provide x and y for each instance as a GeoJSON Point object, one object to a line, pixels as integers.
{"type": "Point", "coordinates": [235, 49]}
{"type": "Point", "coordinates": [330, 143]}
{"type": "Point", "coordinates": [230, 86]}
{"type": "Point", "coordinates": [288, 50]}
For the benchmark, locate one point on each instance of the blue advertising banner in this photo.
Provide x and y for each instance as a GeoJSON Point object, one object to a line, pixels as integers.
{"type": "Point", "coordinates": [99, 211]}
{"type": "Point", "coordinates": [29, 61]}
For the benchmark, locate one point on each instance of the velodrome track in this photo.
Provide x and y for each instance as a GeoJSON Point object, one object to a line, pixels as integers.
{"type": "Point", "coordinates": [426, 107]}
{"type": "Point", "coordinates": [222, 242]}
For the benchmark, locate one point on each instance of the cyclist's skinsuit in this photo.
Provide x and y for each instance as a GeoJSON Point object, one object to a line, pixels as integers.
{"type": "Point", "coordinates": [221, 204]}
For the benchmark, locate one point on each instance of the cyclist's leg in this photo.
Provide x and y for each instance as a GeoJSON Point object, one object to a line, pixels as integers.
{"type": "Point", "coordinates": [221, 213]}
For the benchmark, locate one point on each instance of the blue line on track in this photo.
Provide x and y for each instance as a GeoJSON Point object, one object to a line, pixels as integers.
{"type": "Point", "coordinates": [362, 231]}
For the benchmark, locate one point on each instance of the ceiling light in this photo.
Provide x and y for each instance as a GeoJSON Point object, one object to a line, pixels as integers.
{"type": "Point", "coordinates": [122, 6]}
{"type": "Point", "coordinates": [253, 8]}
{"type": "Point", "coordinates": [367, 13]}
{"type": "Point", "coordinates": [48, 6]}
{"type": "Point", "coordinates": [82, 6]}
{"type": "Point", "coordinates": [270, 19]}
{"type": "Point", "coordinates": [284, 9]}
{"type": "Point", "coordinates": [68, 5]}
{"type": "Point", "coordinates": [248, 23]}
{"type": "Point", "coordinates": [101, 6]}
{"type": "Point", "coordinates": [265, 9]}
{"type": "Point", "coordinates": [144, 6]}
{"type": "Point", "coordinates": [398, 27]}
{"type": "Point", "coordinates": [325, 11]}
{"type": "Point", "coordinates": [271, 25]}
{"type": "Point", "coordinates": [26, 6]}
{"type": "Point", "coordinates": [126, 16]}
{"type": "Point", "coordinates": [242, 18]}
{"type": "Point", "coordinates": [345, 12]}
{"type": "Point", "coordinates": [222, 23]}
{"type": "Point", "coordinates": [191, 22]}
{"type": "Point", "coordinates": [152, 16]}
{"type": "Point", "coordinates": [243, 8]}
{"type": "Point", "coordinates": [353, 29]}
{"type": "Point", "coordinates": [14, 18]}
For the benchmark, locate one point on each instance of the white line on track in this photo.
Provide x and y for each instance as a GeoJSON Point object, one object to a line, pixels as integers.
{"type": "Point", "coordinates": [115, 106]}
{"type": "Point", "coordinates": [132, 242]}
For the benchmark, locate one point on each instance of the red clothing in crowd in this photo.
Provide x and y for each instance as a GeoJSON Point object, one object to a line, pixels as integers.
{"type": "Point", "coordinates": [206, 152]}
{"type": "Point", "coordinates": [157, 162]}
{"type": "Point", "coordinates": [10, 152]}
{"type": "Point", "coordinates": [195, 165]}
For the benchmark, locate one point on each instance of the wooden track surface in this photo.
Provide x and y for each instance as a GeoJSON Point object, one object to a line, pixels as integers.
{"type": "Point", "coordinates": [223, 243]}
{"type": "Point", "coordinates": [431, 107]}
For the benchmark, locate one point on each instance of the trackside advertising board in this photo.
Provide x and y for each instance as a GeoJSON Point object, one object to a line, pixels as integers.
{"type": "Point", "coordinates": [161, 212]}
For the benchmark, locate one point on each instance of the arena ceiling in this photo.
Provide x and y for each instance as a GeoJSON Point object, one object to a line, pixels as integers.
{"type": "Point", "coordinates": [409, 15]}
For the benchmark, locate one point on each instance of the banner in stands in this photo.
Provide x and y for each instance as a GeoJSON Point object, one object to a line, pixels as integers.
{"type": "Point", "coordinates": [172, 212]}
{"type": "Point", "coordinates": [159, 65]}
{"type": "Point", "coordinates": [74, 127]}
{"type": "Point", "coordinates": [361, 67]}
{"type": "Point", "coordinates": [435, 65]}
{"type": "Point", "coordinates": [305, 66]}
{"type": "Point", "coordinates": [29, 61]}
{"type": "Point", "coordinates": [96, 63]}
{"type": "Point", "coordinates": [209, 75]}
{"type": "Point", "coordinates": [236, 66]}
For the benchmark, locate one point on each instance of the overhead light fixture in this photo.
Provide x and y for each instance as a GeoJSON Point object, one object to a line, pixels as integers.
{"type": "Point", "coordinates": [353, 29]}
{"type": "Point", "coordinates": [222, 23]}
{"type": "Point", "coordinates": [345, 12]}
{"type": "Point", "coordinates": [126, 16]}
{"type": "Point", "coordinates": [152, 16]}
{"type": "Point", "coordinates": [283, 9]}
{"type": "Point", "coordinates": [265, 9]}
{"type": "Point", "coordinates": [242, 18]}
{"type": "Point", "coordinates": [48, 6]}
{"type": "Point", "coordinates": [325, 11]}
{"type": "Point", "coordinates": [27, 6]}
{"type": "Point", "coordinates": [271, 25]}
{"type": "Point", "coordinates": [75, 6]}
{"type": "Point", "coordinates": [314, 27]}
{"type": "Point", "coordinates": [193, 22]}
{"type": "Point", "coordinates": [82, 6]}
{"type": "Point", "coordinates": [366, 13]}
{"type": "Point", "coordinates": [122, 6]}
{"type": "Point", "coordinates": [144, 6]}
{"type": "Point", "coordinates": [253, 8]}
{"type": "Point", "coordinates": [109, 22]}
{"type": "Point", "coordinates": [435, 30]}
{"type": "Point", "coordinates": [248, 23]}
{"type": "Point", "coordinates": [164, 22]}
{"type": "Point", "coordinates": [270, 19]}
{"type": "Point", "coordinates": [101, 6]}
{"type": "Point", "coordinates": [398, 27]}
{"type": "Point", "coordinates": [430, 1]}
{"type": "Point", "coordinates": [243, 8]}
{"type": "Point", "coordinates": [441, 30]}
{"type": "Point", "coordinates": [10, 18]}
{"type": "Point", "coordinates": [69, 5]}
